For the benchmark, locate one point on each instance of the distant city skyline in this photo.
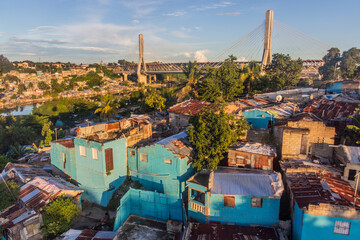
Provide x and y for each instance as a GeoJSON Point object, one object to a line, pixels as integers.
{"type": "Point", "coordinates": [88, 31]}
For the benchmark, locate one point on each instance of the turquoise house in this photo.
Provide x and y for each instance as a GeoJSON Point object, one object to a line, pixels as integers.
{"type": "Point", "coordinates": [258, 119]}
{"type": "Point", "coordinates": [323, 207]}
{"type": "Point", "coordinates": [163, 166]}
{"type": "Point", "coordinates": [235, 196]}
{"type": "Point", "coordinates": [336, 87]}
{"type": "Point", "coordinates": [98, 168]}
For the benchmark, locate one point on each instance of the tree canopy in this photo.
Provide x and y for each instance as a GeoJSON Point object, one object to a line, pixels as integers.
{"type": "Point", "coordinates": [283, 71]}
{"type": "Point", "coordinates": [328, 70]}
{"type": "Point", "coordinates": [155, 100]}
{"type": "Point", "coordinates": [5, 65]}
{"type": "Point", "coordinates": [108, 106]}
{"type": "Point", "coordinates": [58, 216]}
{"type": "Point", "coordinates": [211, 134]}
{"type": "Point", "coordinates": [8, 193]}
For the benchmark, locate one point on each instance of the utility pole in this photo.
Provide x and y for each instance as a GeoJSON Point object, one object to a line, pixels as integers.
{"type": "Point", "coordinates": [269, 19]}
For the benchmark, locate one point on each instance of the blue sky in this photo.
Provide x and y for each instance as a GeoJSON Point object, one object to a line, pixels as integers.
{"type": "Point", "coordinates": [86, 31]}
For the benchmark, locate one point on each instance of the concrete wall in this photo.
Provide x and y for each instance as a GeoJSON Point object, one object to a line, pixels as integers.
{"type": "Point", "coordinates": [178, 120]}
{"type": "Point", "coordinates": [255, 118]}
{"type": "Point", "coordinates": [155, 174]}
{"type": "Point", "coordinates": [242, 214]}
{"type": "Point", "coordinates": [56, 154]}
{"type": "Point", "coordinates": [346, 173]}
{"type": "Point", "coordinates": [91, 174]}
{"type": "Point", "coordinates": [153, 205]}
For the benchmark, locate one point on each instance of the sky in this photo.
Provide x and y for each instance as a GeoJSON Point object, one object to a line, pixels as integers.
{"type": "Point", "coordinates": [91, 31]}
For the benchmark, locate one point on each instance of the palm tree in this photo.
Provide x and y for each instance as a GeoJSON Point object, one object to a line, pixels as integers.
{"type": "Point", "coordinates": [17, 151]}
{"type": "Point", "coordinates": [192, 74]}
{"type": "Point", "coordinates": [250, 74]}
{"type": "Point", "coordinates": [108, 106]}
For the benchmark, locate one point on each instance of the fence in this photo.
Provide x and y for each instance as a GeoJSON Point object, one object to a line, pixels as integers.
{"type": "Point", "coordinates": [147, 204]}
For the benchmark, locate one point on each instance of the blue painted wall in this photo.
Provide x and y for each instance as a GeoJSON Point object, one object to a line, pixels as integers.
{"type": "Point", "coordinates": [242, 214]}
{"type": "Point", "coordinates": [312, 227]}
{"type": "Point", "coordinates": [147, 204]}
{"type": "Point", "coordinates": [297, 222]}
{"type": "Point", "coordinates": [335, 87]}
{"type": "Point", "coordinates": [155, 174]}
{"type": "Point", "coordinates": [56, 154]}
{"type": "Point", "coordinates": [91, 174]}
{"type": "Point", "coordinates": [255, 118]}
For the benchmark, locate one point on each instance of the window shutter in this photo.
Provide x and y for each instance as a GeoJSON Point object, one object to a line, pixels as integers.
{"type": "Point", "coordinates": [109, 159]}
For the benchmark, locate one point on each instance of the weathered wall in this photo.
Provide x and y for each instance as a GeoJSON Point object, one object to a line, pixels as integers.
{"type": "Point", "coordinates": [91, 174]}
{"type": "Point", "coordinates": [56, 154]}
{"type": "Point", "coordinates": [291, 142]}
{"type": "Point", "coordinates": [147, 204]}
{"type": "Point", "coordinates": [155, 174]}
{"type": "Point", "coordinates": [249, 160]}
{"type": "Point", "coordinates": [178, 120]}
{"type": "Point", "coordinates": [346, 173]}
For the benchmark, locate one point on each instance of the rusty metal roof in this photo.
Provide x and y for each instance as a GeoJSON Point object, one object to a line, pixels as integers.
{"type": "Point", "coordinates": [315, 188]}
{"type": "Point", "coordinates": [332, 110]}
{"type": "Point", "coordinates": [178, 144]}
{"type": "Point", "coordinates": [24, 172]}
{"type": "Point", "coordinates": [189, 107]}
{"type": "Point", "coordinates": [254, 102]}
{"type": "Point", "coordinates": [35, 198]}
{"type": "Point", "coordinates": [230, 232]}
{"type": "Point", "coordinates": [68, 143]}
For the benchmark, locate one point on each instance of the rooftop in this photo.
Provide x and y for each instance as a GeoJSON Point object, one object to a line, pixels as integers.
{"type": "Point", "coordinates": [332, 110]}
{"type": "Point", "coordinates": [189, 107]}
{"type": "Point", "coordinates": [178, 144]}
{"type": "Point", "coordinates": [219, 232]}
{"type": "Point", "coordinates": [87, 234]}
{"type": "Point", "coordinates": [352, 154]}
{"type": "Point", "coordinates": [235, 181]}
{"type": "Point", "coordinates": [15, 214]}
{"type": "Point", "coordinates": [256, 148]}
{"type": "Point", "coordinates": [68, 143]}
{"type": "Point", "coordinates": [23, 172]}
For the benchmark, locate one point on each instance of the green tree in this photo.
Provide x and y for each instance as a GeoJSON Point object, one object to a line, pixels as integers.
{"type": "Point", "coordinates": [283, 71]}
{"type": "Point", "coordinates": [17, 151]}
{"type": "Point", "coordinates": [93, 79]}
{"type": "Point", "coordinates": [21, 88]}
{"type": "Point", "coordinates": [353, 129]}
{"type": "Point", "coordinates": [3, 161]}
{"type": "Point", "coordinates": [211, 134]}
{"type": "Point", "coordinates": [58, 216]}
{"type": "Point", "coordinates": [43, 86]}
{"type": "Point", "coordinates": [5, 65]}
{"type": "Point", "coordinates": [250, 74]}
{"type": "Point", "coordinates": [9, 193]}
{"type": "Point", "coordinates": [350, 63]}
{"type": "Point", "coordinates": [155, 100]}
{"type": "Point", "coordinates": [328, 71]}
{"type": "Point", "coordinates": [11, 78]}
{"type": "Point", "coordinates": [108, 106]}
{"type": "Point", "coordinates": [192, 74]}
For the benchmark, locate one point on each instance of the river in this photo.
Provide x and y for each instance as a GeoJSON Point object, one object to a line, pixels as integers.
{"type": "Point", "coordinates": [17, 111]}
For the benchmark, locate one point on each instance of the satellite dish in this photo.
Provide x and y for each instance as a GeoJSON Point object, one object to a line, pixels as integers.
{"type": "Point", "coordinates": [279, 98]}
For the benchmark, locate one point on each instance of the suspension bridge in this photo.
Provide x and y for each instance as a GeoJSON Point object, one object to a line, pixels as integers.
{"type": "Point", "coordinates": [269, 37]}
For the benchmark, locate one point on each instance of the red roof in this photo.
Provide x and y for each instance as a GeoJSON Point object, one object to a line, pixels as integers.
{"type": "Point", "coordinates": [332, 110]}
{"type": "Point", "coordinates": [189, 107]}
{"type": "Point", "coordinates": [315, 188]}
{"type": "Point", "coordinates": [68, 143]}
{"type": "Point", "coordinates": [220, 232]}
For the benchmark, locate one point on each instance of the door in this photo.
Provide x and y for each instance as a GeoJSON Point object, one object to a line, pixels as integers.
{"type": "Point", "coordinates": [303, 147]}
{"type": "Point", "coordinates": [109, 159]}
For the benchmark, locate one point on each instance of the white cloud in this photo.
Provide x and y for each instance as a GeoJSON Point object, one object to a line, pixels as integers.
{"type": "Point", "coordinates": [185, 54]}
{"type": "Point", "coordinates": [214, 6]}
{"type": "Point", "coordinates": [135, 21]}
{"type": "Point", "coordinates": [176, 14]}
{"type": "Point", "coordinates": [229, 14]}
{"type": "Point", "coordinates": [180, 34]}
{"type": "Point", "coordinates": [199, 55]}
{"type": "Point", "coordinates": [241, 59]}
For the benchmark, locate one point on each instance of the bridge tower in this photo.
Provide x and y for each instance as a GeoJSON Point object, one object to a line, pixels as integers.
{"type": "Point", "coordinates": [269, 19]}
{"type": "Point", "coordinates": [141, 77]}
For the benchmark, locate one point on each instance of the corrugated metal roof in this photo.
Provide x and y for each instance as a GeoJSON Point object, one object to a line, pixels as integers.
{"type": "Point", "coordinates": [230, 232]}
{"type": "Point", "coordinates": [256, 148]}
{"type": "Point", "coordinates": [178, 144]}
{"type": "Point", "coordinates": [352, 154]}
{"type": "Point", "coordinates": [87, 234]}
{"type": "Point", "coordinates": [248, 184]}
{"type": "Point", "coordinates": [25, 172]}
{"type": "Point", "coordinates": [332, 110]}
{"type": "Point", "coordinates": [189, 107]}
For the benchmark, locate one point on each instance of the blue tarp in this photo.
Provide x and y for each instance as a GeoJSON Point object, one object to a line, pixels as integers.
{"type": "Point", "coordinates": [335, 87]}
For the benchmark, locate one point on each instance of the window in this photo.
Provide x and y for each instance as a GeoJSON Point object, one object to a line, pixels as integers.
{"type": "Point", "coordinates": [64, 159]}
{"type": "Point", "coordinates": [256, 202]}
{"type": "Point", "coordinates": [82, 151]}
{"type": "Point", "coordinates": [132, 153]}
{"type": "Point", "coordinates": [143, 157]}
{"type": "Point", "coordinates": [167, 161]}
{"type": "Point", "coordinates": [352, 174]}
{"type": "Point", "coordinates": [342, 228]}
{"type": "Point", "coordinates": [197, 196]}
{"type": "Point", "coordinates": [94, 153]}
{"type": "Point", "coordinates": [109, 159]}
{"type": "Point", "coordinates": [229, 201]}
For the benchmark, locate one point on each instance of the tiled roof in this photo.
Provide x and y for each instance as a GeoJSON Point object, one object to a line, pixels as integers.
{"type": "Point", "coordinates": [189, 107]}
{"type": "Point", "coordinates": [332, 110]}
{"type": "Point", "coordinates": [230, 232]}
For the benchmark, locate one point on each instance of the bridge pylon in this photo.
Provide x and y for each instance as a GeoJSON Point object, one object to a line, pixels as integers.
{"type": "Point", "coordinates": [269, 20]}
{"type": "Point", "coordinates": [142, 78]}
